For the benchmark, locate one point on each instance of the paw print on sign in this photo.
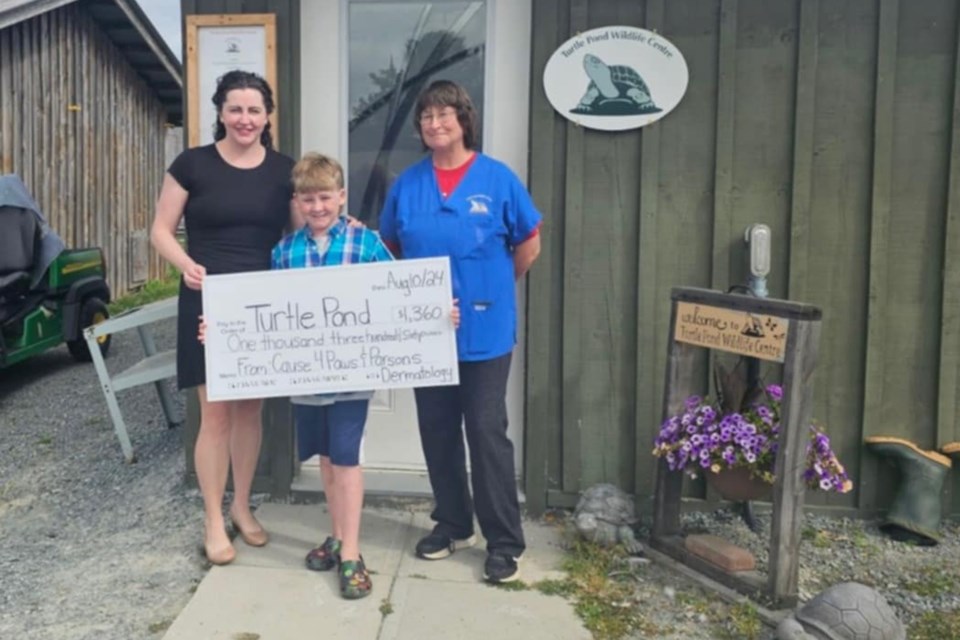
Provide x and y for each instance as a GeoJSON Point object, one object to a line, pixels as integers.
{"type": "Point", "coordinates": [772, 326]}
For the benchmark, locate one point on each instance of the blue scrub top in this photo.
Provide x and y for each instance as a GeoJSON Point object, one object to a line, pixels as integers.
{"type": "Point", "coordinates": [477, 226]}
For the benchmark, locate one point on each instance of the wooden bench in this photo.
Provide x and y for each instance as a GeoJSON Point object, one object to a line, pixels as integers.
{"type": "Point", "coordinates": [154, 367]}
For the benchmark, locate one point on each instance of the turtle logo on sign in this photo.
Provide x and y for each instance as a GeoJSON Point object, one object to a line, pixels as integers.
{"type": "Point", "coordinates": [615, 78]}
{"type": "Point", "coordinates": [614, 90]}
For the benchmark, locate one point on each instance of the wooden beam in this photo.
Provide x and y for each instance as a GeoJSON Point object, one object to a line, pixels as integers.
{"type": "Point", "coordinates": [646, 402]}
{"type": "Point", "coordinates": [539, 409]}
{"type": "Point", "coordinates": [678, 385]}
{"type": "Point", "coordinates": [723, 213]}
{"type": "Point", "coordinates": [573, 257]}
{"type": "Point", "coordinates": [950, 312]}
{"type": "Point", "coordinates": [803, 139]}
{"type": "Point", "coordinates": [725, 144]}
{"type": "Point", "coordinates": [950, 318]}
{"type": "Point", "coordinates": [881, 197]}
{"type": "Point", "coordinates": [788, 490]}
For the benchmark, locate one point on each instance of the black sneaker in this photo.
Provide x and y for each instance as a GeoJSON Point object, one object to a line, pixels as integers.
{"type": "Point", "coordinates": [438, 545]}
{"type": "Point", "coordinates": [500, 568]}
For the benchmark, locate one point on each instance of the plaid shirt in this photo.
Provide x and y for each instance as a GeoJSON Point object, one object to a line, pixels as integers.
{"type": "Point", "coordinates": [347, 246]}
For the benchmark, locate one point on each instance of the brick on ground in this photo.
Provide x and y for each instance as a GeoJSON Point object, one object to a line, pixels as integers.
{"type": "Point", "coordinates": [718, 551]}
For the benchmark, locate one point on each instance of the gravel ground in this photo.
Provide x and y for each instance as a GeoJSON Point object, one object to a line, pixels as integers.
{"type": "Point", "coordinates": [94, 548]}
{"type": "Point", "coordinates": [914, 580]}
{"type": "Point", "coordinates": [91, 547]}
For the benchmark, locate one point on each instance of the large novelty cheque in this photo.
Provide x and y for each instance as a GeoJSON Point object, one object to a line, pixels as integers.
{"type": "Point", "coordinates": [379, 325]}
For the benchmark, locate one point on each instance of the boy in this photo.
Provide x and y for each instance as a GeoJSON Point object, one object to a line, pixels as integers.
{"type": "Point", "coordinates": [331, 424]}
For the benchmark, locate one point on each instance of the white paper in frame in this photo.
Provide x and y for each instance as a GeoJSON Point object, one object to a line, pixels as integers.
{"type": "Point", "coordinates": [218, 43]}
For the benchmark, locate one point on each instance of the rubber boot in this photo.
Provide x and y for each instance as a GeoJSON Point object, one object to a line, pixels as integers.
{"type": "Point", "coordinates": [914, 514]}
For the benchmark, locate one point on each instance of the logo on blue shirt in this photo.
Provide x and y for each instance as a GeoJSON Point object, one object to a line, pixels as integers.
{"type": "Point", "coordinates": [478, 204]}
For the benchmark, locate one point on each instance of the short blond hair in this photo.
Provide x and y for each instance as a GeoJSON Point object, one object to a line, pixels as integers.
{"type": "Point", "coordinates": [317, 172]}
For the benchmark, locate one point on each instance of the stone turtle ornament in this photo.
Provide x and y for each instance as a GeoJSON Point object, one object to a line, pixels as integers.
{"type": "Point", "coordinates": [847, 611]}
{"type": "Point", "coordinates": [605, 516]}
{"type": "Point", "coordinates": [614, 90]}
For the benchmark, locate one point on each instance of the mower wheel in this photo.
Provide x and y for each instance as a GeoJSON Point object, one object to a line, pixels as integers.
{"type": "Point", "coordinates": [93, 311]}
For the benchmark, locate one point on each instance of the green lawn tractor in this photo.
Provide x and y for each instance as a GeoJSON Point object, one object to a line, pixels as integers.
{"type": "Point", "coordinates": [48, 294]}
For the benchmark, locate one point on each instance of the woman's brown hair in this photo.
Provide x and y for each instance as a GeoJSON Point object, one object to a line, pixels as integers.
{"type": "Point", "coordinates": [445, 93]}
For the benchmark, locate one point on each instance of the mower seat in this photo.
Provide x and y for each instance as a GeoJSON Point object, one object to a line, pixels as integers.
{"type": "Point", "coordinates": [19, 245]}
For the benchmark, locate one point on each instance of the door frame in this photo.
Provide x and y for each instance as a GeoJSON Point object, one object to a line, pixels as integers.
{"type": "Point", "coordinates": [505, 132]}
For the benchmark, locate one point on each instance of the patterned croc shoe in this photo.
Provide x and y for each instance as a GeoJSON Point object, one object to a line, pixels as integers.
{"type": "Point", "coordinates": [325, 557]}
{"type": "Point", "coordinates": [355, 580]}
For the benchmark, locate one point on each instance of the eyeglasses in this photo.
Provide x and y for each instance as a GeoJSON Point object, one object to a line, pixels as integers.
{"type": "Point", "coordinates": [443, 117]}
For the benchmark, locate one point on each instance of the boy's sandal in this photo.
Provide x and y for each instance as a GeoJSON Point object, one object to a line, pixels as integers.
{"type": "Point", "coordinates": [325, 557]}
{"type": "Point", "coordinates": [354, 579]}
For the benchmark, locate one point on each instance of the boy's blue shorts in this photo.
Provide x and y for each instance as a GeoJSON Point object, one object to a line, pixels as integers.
{"type": "Point", "coordinates": [331, 430]}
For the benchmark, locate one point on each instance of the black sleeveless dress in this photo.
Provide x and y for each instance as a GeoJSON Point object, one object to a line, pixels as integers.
{"type": "Point", "coordinates": [233, 219]}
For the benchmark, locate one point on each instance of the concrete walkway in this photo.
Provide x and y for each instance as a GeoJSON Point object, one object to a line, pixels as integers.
{"type": "Point", "coordinates": [267, 594]}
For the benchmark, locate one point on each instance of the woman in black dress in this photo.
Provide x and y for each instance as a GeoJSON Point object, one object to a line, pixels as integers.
{"type": "Point", "coordinates": [234, 196]}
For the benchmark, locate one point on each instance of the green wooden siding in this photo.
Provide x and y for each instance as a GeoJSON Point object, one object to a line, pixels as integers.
{"type": "Point", "coordinates": [837, 124]}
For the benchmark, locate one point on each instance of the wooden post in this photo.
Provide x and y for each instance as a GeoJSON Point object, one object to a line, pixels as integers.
{"type": "Point", "coordinates": [790, 334]}
{"type": "Point", "coordinates": [678, 386]}
{"type": "Point", "coordinates": [788, 489]}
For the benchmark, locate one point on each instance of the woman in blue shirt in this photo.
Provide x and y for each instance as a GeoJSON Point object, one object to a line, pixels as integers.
{"type": "Point", "coordinates": [460, 203]}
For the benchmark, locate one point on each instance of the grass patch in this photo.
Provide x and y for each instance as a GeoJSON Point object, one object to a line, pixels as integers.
{"type": "Point", "coordinates": [516, 585]}
{"type": "Point", "coordinates": [743, 623]}
{"type": "Point", "coordinates": [45, 440]}
{"type": "Point", "coordinates": [386, 607]}
{"type": "Point", "coordinates": [418, 576]}
{"type": "Point", "coordinates": [934, 581]}
{"type": "Point", "coordinates": [245, 635]}
{"type": "Point", "coordinates": [694, 603]}
{"type": "Point", "coordinates": [152, 291]}
{"type": "Point", "coordinates": [555, 587]}
{"type": "Point", "coordinates": [159, 627]}
{"type": "Point", "coordinates": [819, 539]}
{"type": "Point", "coordinates": [863, 542]}
{"type": "Point", "coordinates": [601, 586]}
{"type": "Point", "coordinates": [936, 625]}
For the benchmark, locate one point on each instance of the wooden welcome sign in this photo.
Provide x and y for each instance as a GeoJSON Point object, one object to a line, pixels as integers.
{"type": "Point", "coordinates": [750, 334]}
{"type": "Point", "coordinates": [763, 328]}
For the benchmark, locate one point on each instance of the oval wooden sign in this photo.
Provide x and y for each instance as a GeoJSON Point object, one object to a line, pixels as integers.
{"type": "Point", "coordinates": [615, 78]}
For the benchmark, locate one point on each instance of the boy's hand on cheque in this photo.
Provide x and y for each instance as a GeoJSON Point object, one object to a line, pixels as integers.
{"type": "Point", "coordinates": [455, 314]}
{"type": "Point", "coordinates": [202, 331]}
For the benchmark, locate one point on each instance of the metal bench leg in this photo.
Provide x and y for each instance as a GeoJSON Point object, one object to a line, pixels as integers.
{"type": "Point", "coordinates": [150, 348]}
{"type": "Point", "coordinates": [119, 427]}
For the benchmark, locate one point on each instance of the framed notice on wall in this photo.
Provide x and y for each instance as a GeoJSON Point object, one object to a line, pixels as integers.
{"type": "Point", "coordinates": [217, 44]}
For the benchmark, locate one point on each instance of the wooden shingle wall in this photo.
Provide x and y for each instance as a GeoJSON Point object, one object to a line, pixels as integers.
{"type": "Point", "coordinates": [836, 123]}
{"type": "Point", "coordinates": [86, 135]}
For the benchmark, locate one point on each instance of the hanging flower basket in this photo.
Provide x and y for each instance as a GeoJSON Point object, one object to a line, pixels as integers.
{"type": "Point", "coordinates": [733, 442]}
{"type": "Point", "coordinates": [739, 485]}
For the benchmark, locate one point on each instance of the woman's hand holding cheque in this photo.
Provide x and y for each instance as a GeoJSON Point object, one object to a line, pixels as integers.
{"type": "Point", "coordinates": [455, 314]}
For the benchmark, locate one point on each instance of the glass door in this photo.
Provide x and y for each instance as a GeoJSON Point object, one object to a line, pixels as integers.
{"type": "Point", "coordinates": [396, 49]}
{"type": "Point", "coordinates": [362, 65]}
